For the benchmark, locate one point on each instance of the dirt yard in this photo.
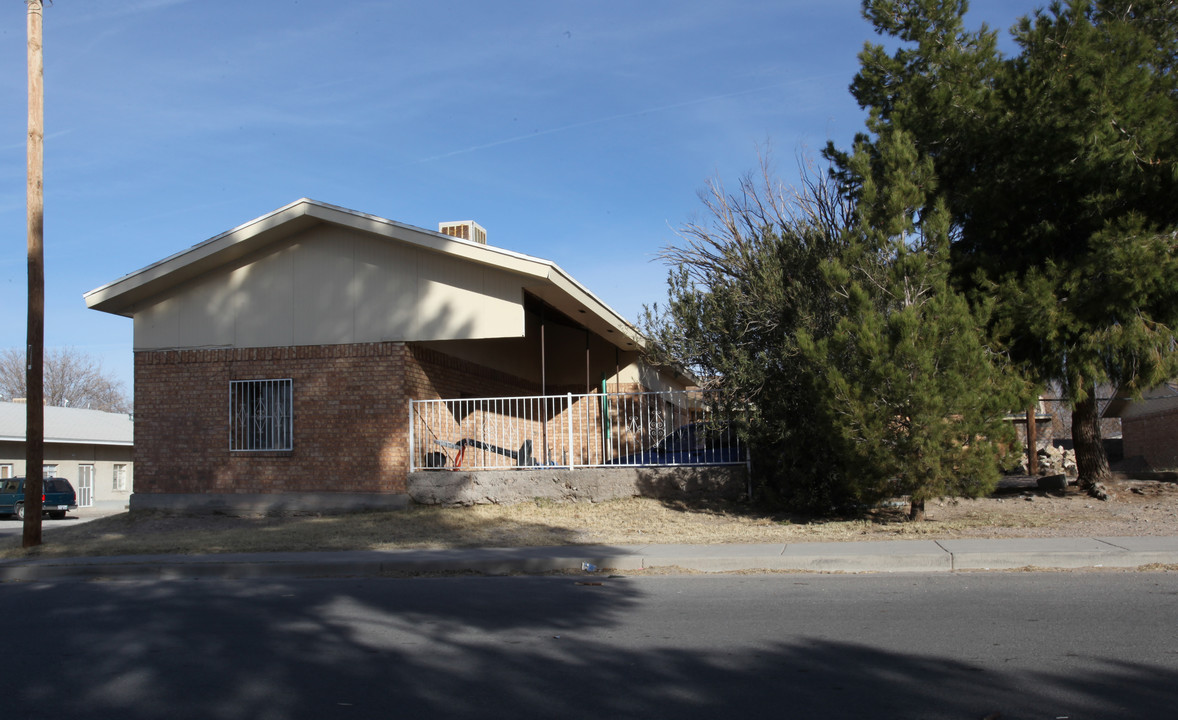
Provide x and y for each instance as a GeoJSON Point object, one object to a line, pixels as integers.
{"type": "Point", "coordinates": [1136, 508]}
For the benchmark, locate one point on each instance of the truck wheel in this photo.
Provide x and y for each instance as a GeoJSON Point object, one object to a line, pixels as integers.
{"type": "Point", "coordinates": [19, 511]}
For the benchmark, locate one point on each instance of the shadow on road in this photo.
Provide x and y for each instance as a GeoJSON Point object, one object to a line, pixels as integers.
{"type": "Point", "coordinates": [484, 647]}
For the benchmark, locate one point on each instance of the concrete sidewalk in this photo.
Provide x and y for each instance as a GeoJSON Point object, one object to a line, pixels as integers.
{"type": "Point", "coordinates": [848, 557]}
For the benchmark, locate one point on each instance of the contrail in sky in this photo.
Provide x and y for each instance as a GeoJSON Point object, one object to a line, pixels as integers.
{"type": "Point", "coordinates": [611, 118]}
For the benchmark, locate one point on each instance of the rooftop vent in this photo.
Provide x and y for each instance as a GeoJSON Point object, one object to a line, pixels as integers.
{"type": "Point", "coordinates": [464, 230]}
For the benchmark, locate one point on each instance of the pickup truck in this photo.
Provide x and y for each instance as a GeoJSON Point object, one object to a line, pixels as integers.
{"type": "Point", "coordinates": [57, 496]}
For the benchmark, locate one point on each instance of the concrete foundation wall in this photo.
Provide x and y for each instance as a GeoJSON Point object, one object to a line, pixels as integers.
{"type": "Point", "coordinates": [267, 503]}
{"type": "Point", "coordinates": [445, 487]}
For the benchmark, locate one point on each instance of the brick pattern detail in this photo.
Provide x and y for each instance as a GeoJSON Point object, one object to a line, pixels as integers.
{"type": "Point", "coordinates": [432, 375]}
{"type": "Point", "coordinates": [350, 420]}
{"type": "Point", "coordinates": [1153, 438]}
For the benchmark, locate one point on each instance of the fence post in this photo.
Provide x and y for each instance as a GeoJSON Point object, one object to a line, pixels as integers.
{"type": "Point", "coordinates": [411, 467]}
{"type": "Point", "coordinates": [569, 419]}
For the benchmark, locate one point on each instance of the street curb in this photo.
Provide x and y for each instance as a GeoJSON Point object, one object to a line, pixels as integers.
{"type": "Point", "coordinates": [907, 556]}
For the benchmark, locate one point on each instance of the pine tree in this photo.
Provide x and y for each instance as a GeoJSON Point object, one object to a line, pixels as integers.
{"type": "Point", "coordinates": [1059, 169]}
{"type": "Point", "coordinates": [831, 321]}
{"type": "Point", "coordinates": [915, 397]}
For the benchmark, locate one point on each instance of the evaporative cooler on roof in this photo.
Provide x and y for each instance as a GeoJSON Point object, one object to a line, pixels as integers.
{"type": "Point", "coordinates": [465, 230]}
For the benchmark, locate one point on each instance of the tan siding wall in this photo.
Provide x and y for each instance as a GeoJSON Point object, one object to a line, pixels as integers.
{"type": "Point", "coordinates": [387, 274]}
{"type": "Point", "coordinates": [331, 285]}
{"type": "Point", "coordinates": [207, 315]}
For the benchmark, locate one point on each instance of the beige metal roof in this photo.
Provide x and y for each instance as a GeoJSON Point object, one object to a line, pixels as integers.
{"type": "Point", "coordinates": [69, 425]}
{"type": "Point", "coordinates": [542, 278]}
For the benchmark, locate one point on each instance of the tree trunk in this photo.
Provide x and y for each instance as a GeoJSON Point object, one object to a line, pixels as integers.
{"type": "Point", "coordinates": [916, 510]}
{"type": "Point", "coordinates": [1091, 459]}
{"type": "Point", "coordinates": [1032, 442]}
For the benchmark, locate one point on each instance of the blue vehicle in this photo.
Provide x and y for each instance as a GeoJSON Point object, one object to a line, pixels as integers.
{"type": "Point", "coordinates": [692, 444]}
{"type": "Point", "coordinates": [57, 497]}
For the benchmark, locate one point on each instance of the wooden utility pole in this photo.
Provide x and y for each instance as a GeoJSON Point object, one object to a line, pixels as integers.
{"type": "Point", "coordinates": [35, 350]}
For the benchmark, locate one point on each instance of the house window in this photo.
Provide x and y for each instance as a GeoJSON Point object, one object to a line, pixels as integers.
{"type": "Point", "coordinates": [120, 479]}
{"type": "Point", "coordinates": [5, 470]}
{"type": "Point", "coordinates": [49, 471]}
{"type": "Point", "coordinates": [260, 416]}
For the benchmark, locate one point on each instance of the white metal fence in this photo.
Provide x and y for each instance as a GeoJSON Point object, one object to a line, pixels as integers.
{"type": "Point", "coordinates": [590, 430]}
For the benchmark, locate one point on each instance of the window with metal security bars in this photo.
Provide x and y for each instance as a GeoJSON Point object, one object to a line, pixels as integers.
{"type": "Point", "coordinates": [260, 416]}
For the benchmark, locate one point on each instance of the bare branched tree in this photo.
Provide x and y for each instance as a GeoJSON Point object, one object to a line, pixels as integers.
{"type": "Point", "coordinates": [72, 379]}
{"type": "Point", "coordinates": [748, 274]}
{"type": "Point", "coordinates": [738, 223]}
{"type": "Point", "coordinates": [743, 281]}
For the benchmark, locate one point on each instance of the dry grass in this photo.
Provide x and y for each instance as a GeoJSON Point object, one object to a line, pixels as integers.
{"type": "Point", "coordinates": [1138, 508]}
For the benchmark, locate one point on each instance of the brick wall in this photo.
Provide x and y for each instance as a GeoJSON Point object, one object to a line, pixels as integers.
{"type": "Point", "coordinates": [1152, 437]}
{"type": "Point", "coordinates": [349, 415]}
{"type": "Point", "coordinates": [432, 375]}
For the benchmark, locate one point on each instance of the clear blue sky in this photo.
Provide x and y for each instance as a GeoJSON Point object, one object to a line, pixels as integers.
{"type": "Point", "coordinates": [579, 132]}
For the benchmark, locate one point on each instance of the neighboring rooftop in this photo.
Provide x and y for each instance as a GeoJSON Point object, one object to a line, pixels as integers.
{"type": "Point", "coordinates": [69, 425]}
{"type": "Point", "coordinates": [1156, 399]}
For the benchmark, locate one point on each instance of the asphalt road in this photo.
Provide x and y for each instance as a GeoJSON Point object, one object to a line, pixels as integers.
{"type": "Point", "coordinates": [1024, 645]}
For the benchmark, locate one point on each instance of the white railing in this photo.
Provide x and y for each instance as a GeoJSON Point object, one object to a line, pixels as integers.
{"type": "Point", "coordinates": [590, 430]}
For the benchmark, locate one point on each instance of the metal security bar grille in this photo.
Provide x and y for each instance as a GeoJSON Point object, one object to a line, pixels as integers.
{"type": "Point", "coordinates": [260, 415]}
{"type": "Point", "coordinates": [591, 430]}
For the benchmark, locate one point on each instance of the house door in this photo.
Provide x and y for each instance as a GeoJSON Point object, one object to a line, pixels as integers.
{"type": "Point", "coordinates": [85, 485]}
